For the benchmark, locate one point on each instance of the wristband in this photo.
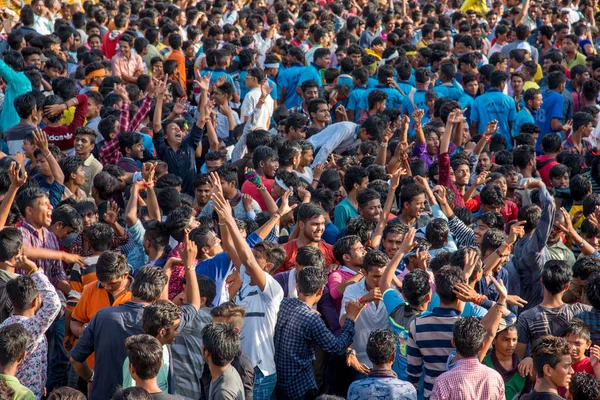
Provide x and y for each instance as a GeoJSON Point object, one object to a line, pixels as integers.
{"type": "Point", "coordinates": [360, 300]}
{"type": "Point", "coordinates": [384, 145]}
{"type": "Point", "coordinates": [91, 378]}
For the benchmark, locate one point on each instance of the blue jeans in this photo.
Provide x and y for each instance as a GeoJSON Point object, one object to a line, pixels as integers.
{"type": "Point", "coordinates": [263, 385]}
{"type": "Point", "coordinates": [58, 359]}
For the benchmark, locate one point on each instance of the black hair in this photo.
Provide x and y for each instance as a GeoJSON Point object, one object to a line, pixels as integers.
{"type": "Point", "coordinates": [11, 242]}
{"type": "Point", "coordinates": [408, 192]}
{"type": "Point", "coordinates": [445, 281]}
{"type": "Point", "coordinates": [99, 235]}
{"type": "Point", "coordinates": [14, 341]}
{"type": "Point", "coordinates": [27, 197]}
{"type": "Point", "coordinates": [68, 215]}
{"type": "Point", "coordinates": [354, 175]}
{"type": "Point", "coordinates": [548, 350]}
{"type": "Point", "coordinates": [381, 346]}
{"type": "Point", "coordinates": [178, 220]}
{"type": "Point", "coordinates": [468, 334]}
{"type": "Point", "coordinates": [522, 156]}
{"type": "Point", "coordinates": [492, 240]}
{"type": "Point", "coordinates": [584, 386]}
{"type": "Point", "coordinates": [70, 165]}
{"type": "Point", "coordinates": [149, 283]}
{"type": "Point", "coordinates": [169, 199]}
{"type": "Point", "coordinates": [22, 292]}
{"type": "Point", "coordinates": [310, 256]}
{"type": "Point", "coordinates": [556, 275]}
{"type": "Point", "coordinates": [343, 246]}
{"type": "Point", "coordinates": [25, 104]}
{"type": "Point", "coordinates": [222, 342]}
{"type": "Point", "coordinates": [159, 315]}
{"type": "Point", "coordinates": [580, 186]}
{"type": "Point", "coordinates": [492, 195]}
{"type": "Point", "coordinates": [111, 265]}
{"type": "Point", "coordinates": [416, 287]}
{"type": "Point", "coordinates": [145, 355]}
{"type": "Point", "coordinates": [437, 232]}
{"type": "Point", "coordinates": [592, 290]}
{"type": "Point", "coordinates": [551, 142]}
{"type": "Point", "coordinates": [106, 185]}
{"type": "Point", "coordinates": [311, 280]}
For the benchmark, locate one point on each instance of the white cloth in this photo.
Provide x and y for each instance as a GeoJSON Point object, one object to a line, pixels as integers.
{"type": "Point", "coordinates": [257, 115]}
{"type": "Point", "coordinates": [262, 120]}
{"type": "Point", "coordinates": [42, 25]}
{"type": "Point", "coordinates": [223, 123]}
{"type": "Point", "coordinates": [292, 289]}
{"type": "Point", "coordinates": [261, 316]}
{"type": "Point", "coordinates": [371, 317]}
{"type": "Point", "coordinates": [338, 137]}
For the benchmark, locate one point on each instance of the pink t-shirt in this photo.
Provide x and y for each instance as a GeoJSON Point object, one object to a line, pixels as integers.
{"type": "Point", "coordinates": [334, 279]}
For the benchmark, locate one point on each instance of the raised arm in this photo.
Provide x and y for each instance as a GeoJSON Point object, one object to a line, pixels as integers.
{"type": "Point", "coordinates": [417, 116]}
{"type": "Point", "coordinates": [160, 98]}
{"type": "Point", "coordinates": [41, 141]}
{"type": "Point", "coordinates": [387, 208]}
{"type": "Point", "coordinates": [131, 211]}
{"type": "Point", "coordinates": [188, 256]}
{"type": "Point", "coordinates": [385, 282]}
{"type": "Point", "coordinates": [522, 13]}
{"type": "Point", "coordinates": [18, 177]}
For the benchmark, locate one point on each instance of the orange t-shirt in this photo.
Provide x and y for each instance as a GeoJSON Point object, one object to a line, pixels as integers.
{"type": "Point", "coordinates": [178, 56]}
{"type": "Point", "coordinates": [94, 298]}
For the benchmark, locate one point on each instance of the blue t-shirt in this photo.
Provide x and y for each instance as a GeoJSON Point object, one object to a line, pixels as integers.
{"type": "Point", "coordinates": [275, 91]}
{"type": "Point", "coordinates": [394, 98]}
{"type": "Point", "coordinates": [372, 82]}
{"type": "Point", "coordinates": [452, 91]}
{"type": "Point", "coordinates": [523, 117]}
{"type": "Point", "coordinates": [552, 107]}
{"type": "Point", "coordinates": [466, 101]}
{"type": "Point", "coordinates": [310, 73]}
{"type": "Point", "coordinates": [289, 79]}
{"type": "Point", "coordinates": [358, 96]}
{"type": "Point", "coordinates": [494, 105]}
{"type": "Point", "coordinates": [331, 233]}
{"type": "Point", "coordinates": [216, 74]}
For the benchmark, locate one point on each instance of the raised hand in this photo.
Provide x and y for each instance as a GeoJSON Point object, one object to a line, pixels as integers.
{"type": "Point", "coordinates": [303, 194]}
{"type": "Point", "coordinates": [439, 192]}
{"type": "Point", "coordinates": [215, 181]}
{"type": "Point", "coordinates": [54, 110]}
{"type": "Point", "coordinates": [148, 171]}
{"type": "Point", "coordinates": [221, 80]}
{"type": "Point", "coordinates": [17, 175]}
{"type": "Point", "coordinates": [285, 203]}
{"type": "Point", "coordinates": [265, 89]}
{"type": "Point", "coordinates": [112, 213]}
{"type": "Point", "coordinates": [353, 309]}
{"type": "Point", "coordinates": [500, 288]}
{"type": "Point", "coordinates": [517, 231]}
{"type": "Point", "coordinates": [247, 202]}
{"type": "Point", "coordinates": [482, 178]}
{"type": "Point", "coordinates": [417, 116]}
{"type": "Point", "coordinates": [464, 292]}
{"type": "Point", "coordinates": [530, 184]}
{"type": "Point", "coordinates": [594, 355]}
{"type": "Point", "coordinates": [526, 366]}
{"type": "Point", "coordinates": [340, 113]}
{"type": "Point", "coordinates": [190, 250]}
{"type": "Point", "coordinates": [122, 93]}
{"type": "Point", "coordinates": [204, 81]}
{"type": "Point", "coordinates": [408, 243]}
{"type": "Point", "coordinates": [515, 300]}
{"type": "Point", "coordinates": [23, 263]}
{"type": "Point", "coordinates": [491, 128]}
{"type": "Point", "coordinates": [567, 226]}
{"type": "Point", "coordinates": [163, 86]}
{"type": "Point", "coordinates": [41, 140]}
{"type": "Point", "coordinates": [471, 260]}
{"type": "Point", "coordinates": [181, 106]}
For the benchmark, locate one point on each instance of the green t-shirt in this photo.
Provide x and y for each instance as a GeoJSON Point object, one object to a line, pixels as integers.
{"type": "Point", "coordinates": [512, 387]}
{"type": "Point", "coordinates": [163, 374]}
{"type": "Point", "coordinates": [21, 392]}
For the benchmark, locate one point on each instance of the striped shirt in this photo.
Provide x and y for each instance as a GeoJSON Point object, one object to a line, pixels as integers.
{"type": "Point", "coordinates": [429, 345]}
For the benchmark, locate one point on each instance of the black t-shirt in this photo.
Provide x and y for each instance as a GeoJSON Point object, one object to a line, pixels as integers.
{"type": "Point", "coordinates": [541, 396]}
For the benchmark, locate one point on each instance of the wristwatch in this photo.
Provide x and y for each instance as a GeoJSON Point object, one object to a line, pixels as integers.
{"type": "Point", "coordinates": [351, 351]}
{"type": "Point", "coordinates": [91, 378]}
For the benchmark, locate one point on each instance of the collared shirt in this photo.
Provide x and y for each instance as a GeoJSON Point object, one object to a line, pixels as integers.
{"type": "Point", "coordinates": [127, 66]}
{"type": "Point", "coordinates": [21, 392]}
{"type": "Point", "coordinates": [47, 240]}
{"type": "Point", "coordinates": [373, 316]}
{"type": "Point", "coordinates": [298, 331]}
{"type": "Point", "coordinates": [569, 146]}
{"type": "Point", "coordinates": [338, 138]}
{"type": "Point", "coordinates": [32, 372]}
{"type": "Point", "coordinates": [42, 25]}
{"type": "Point", "coordinates": [469, 380]}
{"type": "Point", "coordinates": [429, 345]}
{"type": "Point", "coordinates": [91, 168]}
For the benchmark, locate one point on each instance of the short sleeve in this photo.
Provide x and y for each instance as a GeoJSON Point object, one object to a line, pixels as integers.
{"type": "Point", "coordinates": [79, 313]}
{"type": "Point", "coordinates": [557, 108]}
{"type": "Point", "coordinates": [137, 232]}
{"type": "Point", "coordinates": [475, 112]}
{"type": "Point", "coordinates": [392, 299]}
{"type": "Point", "coordinates": [273, 291]}
{"type": "Point", "coordinates": [189, 314]}
{"type": "Point", "coordinates": [523, 329]}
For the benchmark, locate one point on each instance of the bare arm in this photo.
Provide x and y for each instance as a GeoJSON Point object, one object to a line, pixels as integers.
{"type": "Point", "coordinates": [18, 177]}
{"type": "Point", "coordinates": [387, 208]}
{"type": "Point", "coordinates": [385, 282]}
{"type": "Point", "coordinates": [41, 141]}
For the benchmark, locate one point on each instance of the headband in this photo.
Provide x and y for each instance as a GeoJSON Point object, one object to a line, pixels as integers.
{"type": "Point", "coordinates": [99, 73]}
{"type": "Point", "coordinates": [411, 53]}
{"type": "Point", "coordinates": [271, 65]}
{"type": "Point", "coordinates": [389, 58]}
{"type": "Point", "coordinates": [281, 184]}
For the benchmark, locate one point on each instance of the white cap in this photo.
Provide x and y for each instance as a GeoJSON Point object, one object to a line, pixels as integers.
{"type": "Point", "coordinates": [524, 46]}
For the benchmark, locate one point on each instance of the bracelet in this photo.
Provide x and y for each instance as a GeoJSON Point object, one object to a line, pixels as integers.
{"type": "Point", "coordinates": [384, 145]}
{"type": "Point", "coordinates": [350, 351]}
{"type": "Point", "coordinates": [222, 224]}
{"type": "Point", "coordinates": [48, 155]}
{"type": "Point", "coordinates": [316, 180]}
{"type": "Point", "coordinates": [91, 378]}
{"type": "Point", "coordinates": [34, 270]}
{"type": "Point", "coordinates": [582, 244]}
{"type": "Point", "coordinates": [360, 300]}
{"type": "Point", "coordinates": [277, 214]}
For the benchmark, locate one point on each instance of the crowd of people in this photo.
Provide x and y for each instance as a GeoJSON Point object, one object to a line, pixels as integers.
{"type": "Point", "coordinates": [300, 200]}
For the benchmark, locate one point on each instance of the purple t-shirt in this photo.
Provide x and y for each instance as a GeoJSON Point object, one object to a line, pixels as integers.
{"type": "Point", "coordinates": [420, 151]}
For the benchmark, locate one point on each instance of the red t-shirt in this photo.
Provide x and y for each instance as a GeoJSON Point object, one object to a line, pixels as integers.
{"type": "Point", "coordinates": [249, 188]}
{"type": "Point", "coordinates": [63, 136]}
{"type": "Point", "coordinates": [291, 249]}
{"type": "Point", "coordinates": [585, 365]}
{"type": "Point", "coordinates": [546, 162]}
{"type": "Point", "coordinates": [109, 43]}
{"type": "Point", "coordinates": [510, 211]}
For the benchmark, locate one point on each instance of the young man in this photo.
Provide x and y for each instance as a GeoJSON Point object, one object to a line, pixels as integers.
{"type": "Point", "coordinates": [577, 335]}
{"type": "Point", "coordinates": [469, 379]}
{"type": "Point", "coordinates": [578, 142]}
{"type": "Point", "coordinates": [35, 304]}
{"type": "Point", "coordinates": [299, 330]}
{"type": "Point", "coordinates": [145, 355]}
{"type": "Point", "coordinates": [494, 105]}
{"type": "Point", "coordinates": [220, 345]}
{"type": "Point", "coordinates": [381, 381]}
{"type": "Point", "coordinates": [504, 360]}
{"type": "Point", "coordinates": [132, 148]}
{"type": "Point", "coordinates": [349, 253]}
{"type": "Point", "coordinates": [59, 134]}
{"type": "Point", "coordinates": [355, 179]}
{"type": "Point", "coordinates": [552, 110]}
{"type": "Point", "coordinates": [126, 64]}
{"type": "Point", "coordinates": [85, 139]}
{"type": "Point", "coordinates": [556, 277]}
{"type": "Point", "coordinates": [254, 79]}
{"type": "Point", "coordinates": [72, 169]}
{"type": "Point", "coordinates": [229, 183]}
{"type": "Point", "coordinates": [26, 108]}
{"type": "Point", "coordinates": [310, 223]}
{"type": "Point", "coordinates": [14, 342]}
{"type": "Point", "coordinates": [533, 102]}
{"type": "Point", "coordinates": [265, 162]}
{"type": "Point", "coordinates": [368, 292]}
{"type": "Point", "coordinates": [552, 364]}
{"type": "Point", "coordinates": [17, 83]}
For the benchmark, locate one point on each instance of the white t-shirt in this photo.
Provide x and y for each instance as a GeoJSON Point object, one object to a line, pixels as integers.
{"type": "Point", "coordinates": [261, 317]}
{"type": "Point", "coordinates": [372, 317]}
{"type": "Point", "coordinates": [249, 105]}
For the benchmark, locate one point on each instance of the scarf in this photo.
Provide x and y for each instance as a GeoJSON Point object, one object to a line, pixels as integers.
{"type": "Point", "coordinates": [506, 374]}
{"type": "Point", "coordinates": [236, 200]}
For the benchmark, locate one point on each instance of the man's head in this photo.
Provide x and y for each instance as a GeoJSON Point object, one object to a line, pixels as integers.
{"type": "Point", "coordinates": [311, 222]}
{"type": "Point", "coordinates": [309, 256]}
{"type": "Point", "coordinates": [209, 244]}
{"type": "Point", "coordinates": [369, 205]}
{"type": "Point", "coordinates": [310, 281]}
{"type": "Point", "coordinates": [220, 344]}
{"type": "Point", "coordinates": [150, 284]}
{"type": "Point", "coordinates": [583, 123]}
{"type": "Point", "coordinates": [229, 179]}
{"type": "Point", "coordinates": [35, 207]}
{"type": "Point", "coordinates": [381, 347]}
{"type": "Point", "coordinates": [533, 98]}
{"type": "Point", "coordinates": [295, 126]}
{"type": "Point", "coordinates": [412, 200]}
{"type": "Point", "coordinates": [145, 356]}
{"type": "Point", "coordinates": [505, 341]}
{"type": "Point", "coordinates": [577, 335]}
{"type": "Point", "coordinates": [393, 234]}
{"type": "Point", "coordinates": [99, 236]}
{"type": "Point", "coordinates": [445, 281]}
{"type": "Point", "coordinates": [85, 138]}
{"type": "Point", "coordinates": [583, 386]}
{"type": "Point", "coordinates": [556, 276]}
{"type": "Point", "coordinates": [161, 320]}
{"type": "Point", "coordinates": [131, 145]}
{"type": "Point", "coordinates": [552, 360]}
{"type": "Point", "coordinates": [468, 334]}
{"type": "Point", "coordinates": [11, 244]}
{"type": "Point", "coordinates": [265, 161]}
{"type": "Point", "coordinates": [14, 341]}
{"type": "Point", "coordinates": [112, 271]}
{"type": "Point", "coordinates": [229, 313]}
{"type": "Point", "coordinates": [23, 294]}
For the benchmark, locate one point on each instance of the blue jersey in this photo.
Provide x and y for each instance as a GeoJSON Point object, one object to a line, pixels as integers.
{"type": "Point", "coordinates": [358, 96]}
{"type": "Point", "coordinates": [494, 105]}
{"type": "Point", "coordinates": [524, 116]}
{"type": "Point", "coordinates": [275, 92]}
{"type": "Point", "coordinates": [552, 107]}
{"type": "Point", "coordinates": [452, 90]}
{"type": "Point", "coordinates": [216, 74]}
{"type": "Point", "coordinates": [394, 98]}
{"type": "Point", "coordinates": [289, 79]}
{"type": "Point", "coordinates": [310, 73]}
